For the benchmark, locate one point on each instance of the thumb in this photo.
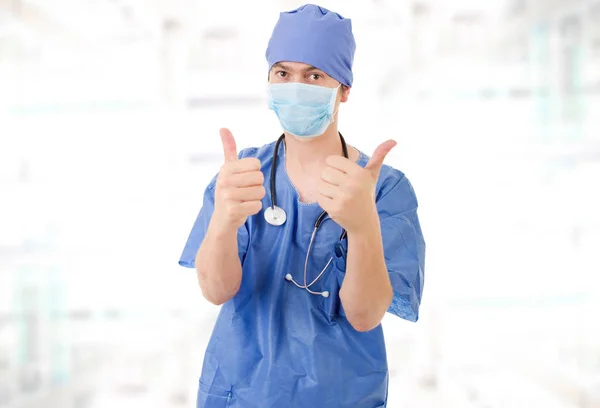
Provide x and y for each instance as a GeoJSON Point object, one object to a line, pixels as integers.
{"type": "Point", "coordinates": [376, 161]}
{"type": "Point", "coordinates": [229, 147]}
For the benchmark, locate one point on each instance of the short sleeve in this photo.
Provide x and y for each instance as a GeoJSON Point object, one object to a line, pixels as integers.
{"type": "Point", "coordinates": [404, 247]}
{"type": "Point", "coordinates": [200, 226]}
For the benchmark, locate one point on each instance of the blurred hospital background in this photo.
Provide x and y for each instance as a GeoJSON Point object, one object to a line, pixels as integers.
{"type": "Point", "coordinates": [109, 118]}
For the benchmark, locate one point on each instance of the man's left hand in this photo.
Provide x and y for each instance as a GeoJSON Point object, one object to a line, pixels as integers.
{"type": "Point", "coordinates": [347, 191]}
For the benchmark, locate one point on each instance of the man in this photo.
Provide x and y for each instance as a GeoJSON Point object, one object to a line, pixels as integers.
{"type": "Point", "coordinates": [304, 292]}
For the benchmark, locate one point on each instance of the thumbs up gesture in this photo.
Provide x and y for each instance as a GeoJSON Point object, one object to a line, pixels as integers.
{"type": "Point", "coordinates": [239, 188]}
{"type": "Point", "coordinates": [347, 191]}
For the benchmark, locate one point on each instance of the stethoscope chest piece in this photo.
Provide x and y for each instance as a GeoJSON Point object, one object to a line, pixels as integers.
{"type": "Point", "coordinates": [275, 215]}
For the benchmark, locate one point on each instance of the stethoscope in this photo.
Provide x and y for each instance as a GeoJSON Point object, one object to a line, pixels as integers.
{"type": "Point", "coordinates": [276, 216]}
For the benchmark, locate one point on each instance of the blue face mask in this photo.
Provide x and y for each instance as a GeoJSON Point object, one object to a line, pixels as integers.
{"type": "Point", "coordinates": [303, 110]}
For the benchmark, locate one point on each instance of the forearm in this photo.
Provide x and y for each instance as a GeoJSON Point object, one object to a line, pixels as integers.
{"type": "Point", "coordinates": [218, 265]}
{"type": "Point", "coordinates": [366, 293]}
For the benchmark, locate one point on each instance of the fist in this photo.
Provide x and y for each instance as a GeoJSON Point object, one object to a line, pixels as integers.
{"type": "Point", "coordinates": [239, 188]}
{"type": "Point", "coordinates": [347, 191]}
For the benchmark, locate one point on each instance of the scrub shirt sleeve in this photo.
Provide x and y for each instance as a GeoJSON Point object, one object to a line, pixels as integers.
{"type": "Point", "coordinates": [200, 226]}
{"type": "Point", "coordinates": [404, 247]}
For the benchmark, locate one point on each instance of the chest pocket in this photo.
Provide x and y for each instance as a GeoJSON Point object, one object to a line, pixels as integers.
{"type": "Point", "coordinates": [331, 306]}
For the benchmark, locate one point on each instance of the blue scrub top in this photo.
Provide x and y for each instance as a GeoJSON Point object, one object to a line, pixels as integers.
{"type": "Point", "coordinates": [275, 345]}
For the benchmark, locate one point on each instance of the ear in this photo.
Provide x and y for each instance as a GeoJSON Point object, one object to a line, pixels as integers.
{"type": "Point", "coordinates": [345, 93]}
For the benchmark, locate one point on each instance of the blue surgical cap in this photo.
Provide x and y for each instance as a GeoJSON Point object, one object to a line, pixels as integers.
{"type": "Point", "coordinates": [315, 36]}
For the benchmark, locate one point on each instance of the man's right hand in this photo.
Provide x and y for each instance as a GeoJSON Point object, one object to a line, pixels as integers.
{"type": "Point", "coordinates": [239, 187]}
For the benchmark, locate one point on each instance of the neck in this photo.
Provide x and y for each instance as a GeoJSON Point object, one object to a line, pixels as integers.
{"type": "Point", "coordinates": [313, 152]}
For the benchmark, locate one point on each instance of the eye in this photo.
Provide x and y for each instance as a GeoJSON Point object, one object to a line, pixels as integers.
{"type": "Point", "coordinates": [281, 74]}
{"type": "Point", "coordinates": [315, 76]}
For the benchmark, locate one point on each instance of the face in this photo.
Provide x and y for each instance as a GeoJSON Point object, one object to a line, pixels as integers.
{"type": "Point", "coordinates": [284, 72]}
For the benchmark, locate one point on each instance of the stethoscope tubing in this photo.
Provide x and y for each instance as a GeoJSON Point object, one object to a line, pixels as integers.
{"type": "Point", "coordinates": [276, 216]}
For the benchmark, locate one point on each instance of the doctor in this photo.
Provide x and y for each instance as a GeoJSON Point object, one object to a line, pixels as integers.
{"type": "Point", "coordinates": [305, 242]}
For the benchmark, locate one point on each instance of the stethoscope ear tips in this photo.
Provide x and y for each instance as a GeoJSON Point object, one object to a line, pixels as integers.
{"type": "Point", "coordinates": [288, 277]}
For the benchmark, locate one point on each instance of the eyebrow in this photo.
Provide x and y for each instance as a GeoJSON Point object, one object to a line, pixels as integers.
{"type": "Point", "coordinates": [286, 68]}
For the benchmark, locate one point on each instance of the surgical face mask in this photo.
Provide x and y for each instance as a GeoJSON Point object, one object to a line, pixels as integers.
{"type": "Point", "coordinates": [303, 110]}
